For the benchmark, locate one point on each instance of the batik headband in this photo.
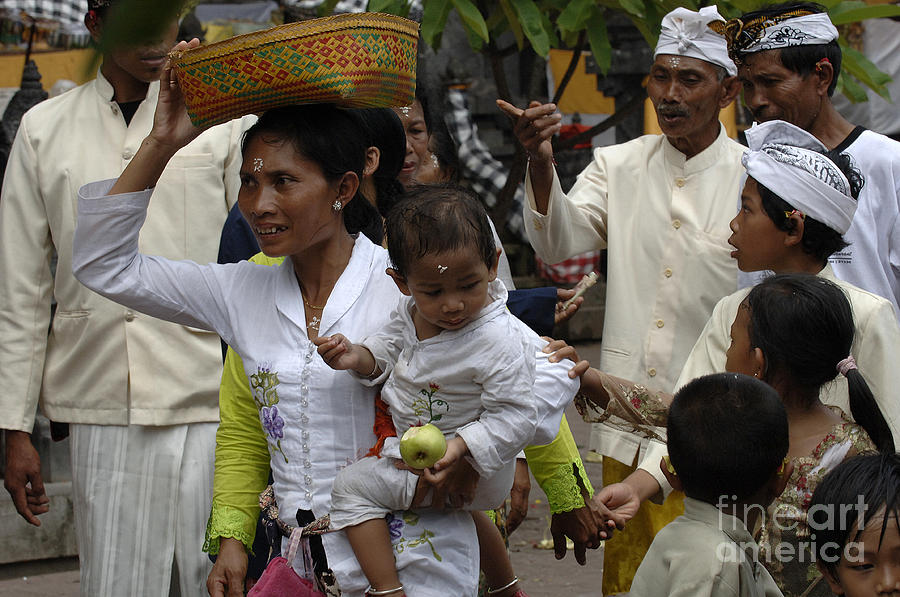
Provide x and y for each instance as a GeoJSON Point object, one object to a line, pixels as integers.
{"type": "Point", "coordinates": [793, 28]}
{"type": "Point", "coordinates": [788, 161]}
{"type": "Point", "coordinates": [695, 35]}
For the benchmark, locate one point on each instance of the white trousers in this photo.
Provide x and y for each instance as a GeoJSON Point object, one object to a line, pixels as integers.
{"type": "Point", "coordinates": [372, 487]}
{"type": "Point", "coordinates": [141, 498]}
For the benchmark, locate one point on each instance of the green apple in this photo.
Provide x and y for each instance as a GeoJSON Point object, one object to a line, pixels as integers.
{"type": "Point", "coordinates": [422, 445]}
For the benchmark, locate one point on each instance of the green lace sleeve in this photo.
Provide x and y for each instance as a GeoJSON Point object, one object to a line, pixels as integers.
{"type": "Point", "coordinates": [559, 471]}
{"type": "Point", "coordinates": [242, 461]}
{"type": "Point", "coordinates": [226, 521]}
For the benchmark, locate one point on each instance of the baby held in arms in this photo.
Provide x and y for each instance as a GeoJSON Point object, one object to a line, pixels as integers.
{"type": "Point", "coordinates": [458, 371]}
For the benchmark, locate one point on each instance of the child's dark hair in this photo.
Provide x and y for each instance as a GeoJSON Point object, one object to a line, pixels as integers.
{"type": "Point", "coordinates": [833, 516]}
{"type": "Point", "coordinates": [336, 139]}
{"type": "Point", "coordinates": [819, 240]}
{"type": "Point", "coordinates": [727, 436]}
{"type": "Point", "coordinates": [788, 307]}
{"type": "Point", "coordinates": [800, 59]}
{"type": "Point", "coordinates": [433, 219]}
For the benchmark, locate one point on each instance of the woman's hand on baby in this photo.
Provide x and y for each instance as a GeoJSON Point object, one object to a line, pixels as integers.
{"type": "Point", "coordinates": [559, 350]}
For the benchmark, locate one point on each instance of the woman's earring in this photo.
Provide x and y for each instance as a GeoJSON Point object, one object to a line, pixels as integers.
{"type": "Point", "coordinates": [783, 467]}
{"type": "Point", "coordinates": [337, 205]}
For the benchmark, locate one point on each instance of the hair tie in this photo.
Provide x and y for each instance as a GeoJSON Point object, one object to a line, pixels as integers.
{"type": "Point", "coordinates": [847, 365]}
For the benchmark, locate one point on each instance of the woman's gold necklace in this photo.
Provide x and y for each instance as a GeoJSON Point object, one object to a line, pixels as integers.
{"type": "Point", "coordinates": [316, 320]}
{"type": "Point", "coordinates": [306, 302]}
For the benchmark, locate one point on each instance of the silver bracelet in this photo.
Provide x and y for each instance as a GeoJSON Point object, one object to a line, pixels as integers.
{"type": "Point", "coordinates": [504, 587]}
{"type": "Point", "coordinates": [369, 376]}
{"type": "Point", "coordinates": [371, 591]}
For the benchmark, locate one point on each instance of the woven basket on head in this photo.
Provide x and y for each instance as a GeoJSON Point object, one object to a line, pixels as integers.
{"type": "Point", "coordinates": [362, 60]}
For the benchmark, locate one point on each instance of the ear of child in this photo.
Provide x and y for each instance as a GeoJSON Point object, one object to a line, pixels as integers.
{"type": "Point", "coordinates": [670, 474]}
{"type": "Point", "coordinates": [399, 280]}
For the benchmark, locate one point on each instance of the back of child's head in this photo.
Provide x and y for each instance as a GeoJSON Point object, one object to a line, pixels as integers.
{"type": "Point", "coordinates": [804, 326]}
{"type": "Point", "coordinates": [727, 436]}
{"type": "Point", "coordinates": [819, 240]}
{"type": "Point", "coordinates": [435, 219]}
{"type": "Point", "coordinates": [859, 489]}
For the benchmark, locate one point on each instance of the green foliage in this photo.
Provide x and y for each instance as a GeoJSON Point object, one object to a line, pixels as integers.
{"type": "Point", "coordinates": [545, 24]}
{"type": "Point", "coordinates": [394, 7]}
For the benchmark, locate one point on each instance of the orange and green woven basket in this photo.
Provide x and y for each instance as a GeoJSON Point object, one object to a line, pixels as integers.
{"type": "Point", "coordinates": [361, 60]}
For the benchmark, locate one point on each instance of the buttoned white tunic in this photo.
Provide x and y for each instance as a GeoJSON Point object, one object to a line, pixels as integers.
{"type": "Point", "coordinates": [142, 394]}
{"type": "Point", "coordinates": [483, 373]}
{"type": "Point", "coordinates": [475, 382]}
{"type": "Point", "coordinates": [317, 420]}
{"type": "Point", "coordinates": [104, 364]}
{"type": "Point", "coordinates": [664, 220]}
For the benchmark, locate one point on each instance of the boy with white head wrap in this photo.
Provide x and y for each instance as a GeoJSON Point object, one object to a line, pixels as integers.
{"type": "Point", "coordinates": [661, 205]}
{"type": "Point", "coordinates": [788, 163]}
{"type": "Point", "coordinates": [789, 61]}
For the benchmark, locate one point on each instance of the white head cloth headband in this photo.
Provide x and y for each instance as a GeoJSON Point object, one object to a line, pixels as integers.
{"type": "Point", "coordinates": [687, 33]}
{"type": "Point", "coordinates": [787, 161]}
{"type": "Point", "coordinates": [808, 30]}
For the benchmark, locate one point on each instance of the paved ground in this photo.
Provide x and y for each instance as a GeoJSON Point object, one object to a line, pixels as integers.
{"type": "Point", "coordinates": [541, 574]}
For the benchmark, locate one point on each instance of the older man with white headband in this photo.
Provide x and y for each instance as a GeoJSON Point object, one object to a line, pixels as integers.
{"type": "Point", "coordinates": [789, 60]}
{"type": "Point", "coordinates": [660, 204]}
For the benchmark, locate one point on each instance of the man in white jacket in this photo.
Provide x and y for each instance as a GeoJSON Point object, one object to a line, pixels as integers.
{"type": "Point", "coordinates": [660, 204]}
{"type": "Point", "coordinates": [140, 394]}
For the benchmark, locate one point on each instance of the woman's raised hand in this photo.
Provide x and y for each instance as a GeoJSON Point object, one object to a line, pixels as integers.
{"type": "Point", "coordinates": [171, 124]}
{"type": "Point", "coordinates": [172, 130]}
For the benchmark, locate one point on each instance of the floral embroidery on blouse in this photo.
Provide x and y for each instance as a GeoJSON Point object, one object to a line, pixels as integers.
{"type": "Point", "coordinates": [785, 522]}
{"type": "Point", "coordinates": [395, 527]}
{"type": "Point", "coordinates": [264, 388]}
{"type": "Point", "coordinates": [410, 519]}
{"type": "Point", "coordinates": [426, 403]}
